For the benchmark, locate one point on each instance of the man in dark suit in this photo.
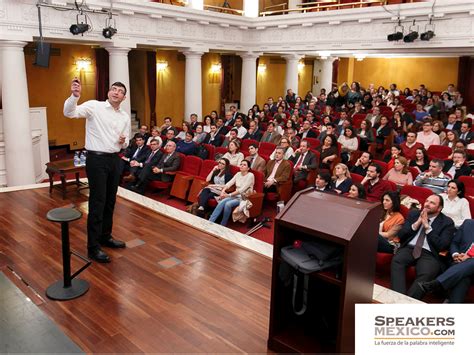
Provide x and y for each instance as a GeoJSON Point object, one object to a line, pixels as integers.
{"type": "Point", "coordinates": [271, 135]}
{"type": "Point", "coordinates": [230, 116]}
{"type": "Point", "coordinates": [169, 162]}
{"type": "Point", "coordinates": [253, 132]}
{"type": "Point", "coordinates": [136, 167]}
{"type": "Point", "coordinates": [213, 138]}
{"type": "Point", "coordinates": [457, 279]}
{"type": "Point", "coordinates": [466, 135]}
{"type": "Point", "coordinates": [193, 121]}
{"type": "Point", "coordinates": [304, 161]}
{"type": "Point", "coordinates": [457, 166]}
{"type": "Point", "coordinates": [424, 234]}
{"type": "Point", "coordinates": [221, 129]}
{"type": "Point", "coordinates": [170, 136]}
{"type": "Point", "coordinates": [453, 124]}
{"type": "Point", "coordinates": [136, 153]}
{"type": "Point", "coordinates": [306, 131]}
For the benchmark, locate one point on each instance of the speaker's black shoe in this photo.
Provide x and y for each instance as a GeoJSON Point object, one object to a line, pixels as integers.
{"type": "Point", "coordinates": [113, 243]}
{"type": "Point", "coordinates": [99, 256]}
{"type": "Point", "coordinates": [430, 286]}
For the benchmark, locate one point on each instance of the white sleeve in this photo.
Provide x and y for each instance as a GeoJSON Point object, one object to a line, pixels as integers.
{"type": "Point", "coordinates": [72, 110]}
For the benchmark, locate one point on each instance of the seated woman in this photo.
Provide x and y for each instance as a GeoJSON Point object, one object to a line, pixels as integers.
{"type": "Point", "coordinates": [356, 191]}
{"type": "Point", "coordinates": [451, 139]}
{"type": "Point", "coordinates": [155, 134]}
{"type": "Point", "coordinates": [389, 158]}
{"type": "Point", "coordinates": [349, 143]}
{"type": "Point", "coordinates": [233, 155]}
{"type": "Point", "coordinates": [217, 178]}
{"type": "Point", "coordinates": [328, 151]}
{"type": "Point", "coordinates": [400, 173]}
{"type": "Point", "coordinates": [341, 180]}
{"type": "Point", "coordinates": [383, 130]}
{"type": "Point", "coordinates": [366, 135]}
{"type": "Point", "coordinates": [243, 181]}
{"type": "Point", "coordinates": [390, 223]}
{"type": "Point", "coordinates": [186, 128]}
{"type": "Point", "coordinates": [285, 144]}
{"type": "Point", "coordinates": [455, 205]}
{"type": "Point", "coordinates": [438, 128]}
{"type": "Point", "coordinates": [207, 124]}
{"type": "Point", "coordinates": [421, 161]}
{"type": "Point", "coordinates": [199, 135]}
{"type": "Point", "coordinates": [323, 182]}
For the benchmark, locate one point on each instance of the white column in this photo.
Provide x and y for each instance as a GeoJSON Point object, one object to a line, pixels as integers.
{"type": "Point", "coordinates": [193, 84]}
{"type": "Point", "coordinates": [19, 162]}
{"type": "Point", "coordinates": [251, 8]}
{"type": "Point", "coordinates": [322, 75]}
{"type": "Point", "coordinates": [196, 4]}
{"type": "Point", "coordinates": [293, 4]}
{"type": "Point", "coordinates": [291, 81]}
{"type": "Point", "coordinates": [248, 91]}
{"type": "Point", "coordinates": [118, 71]}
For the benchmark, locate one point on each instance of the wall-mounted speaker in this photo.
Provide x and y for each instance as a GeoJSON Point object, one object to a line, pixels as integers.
{"type": "Point", "coordinates": [43, 52]}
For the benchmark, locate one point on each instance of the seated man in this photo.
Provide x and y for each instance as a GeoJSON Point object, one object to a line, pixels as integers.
{"type": "Point", "coordinates": [257, 163]}
{"type": "Point", "coordinates": [362, 164]}
{"type": "Point", "coordinates": [457, 166]}
{"type": "Point", "coordinates": [143, 132]}
{"type": "Point", "coordinates": [271, 135]}
{"type": "Point", "coordinates": [166, 126]}
{"type": "Point", "coordinates": [424, 234]}
{"type": "Point", "coordinates": [433, 179]}
{"type": "Point", "coordinates": [373, 184]}
{"type": "Point", "coordinates": [306, 131]}
{"type": "Point", "coordinates": [239, 126]}
{"type": "Point", "coordinates": [168, 162]}
{"type": "Point", "coordinates": [410, 146]}
{"type": "Point", "coordinates": [253, 132]}
{"type": "Point", "coordinates": [193, 118]}
{"type": "Point", "coordinates": [152, 158]}
{"type": "Point", "coordinates": [187, 145]}
{"type": "Point", "coordinates": [304, 161]}
{"type": "Point", "coordinates": [427, 137]}
{"type": "Point", "coordinates": [277, 171]}
{"type": "Point", "coordinates": [457, 279]}
{"type": "Point", "coordinates": [213, 137]}
{"type": "Point", "coordinates": [232, 135]}
{"type": "Point", "coordinates": [330, 129]}
{"type": "Point", "coordinates": [466, 134]}
{"type": "Point", "coordinates": [290, 134]}
{"type": "Point", "coordinates": [135, 154]}
{"type": "Point", "coordinates": [453, 124]}
{"type": "Point", "coordinates": [170, 136]}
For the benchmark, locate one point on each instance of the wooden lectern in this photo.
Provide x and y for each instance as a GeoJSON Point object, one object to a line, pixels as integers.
{"type": "Point", "coordinates": [328, 325]}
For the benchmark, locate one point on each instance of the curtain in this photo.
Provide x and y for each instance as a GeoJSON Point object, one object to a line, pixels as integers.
{"type": "Point", "coordinates": [151, 79]}
{"type": "Point", "coordinates": [102, 74]}
{"type": "Point", "coordinates": [466, 81]}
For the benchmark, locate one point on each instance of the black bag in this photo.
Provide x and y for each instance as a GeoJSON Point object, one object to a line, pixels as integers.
{"type": "Point", "coordinates": [201, 152]}
{"type": "Point", "coordinates": [309, 257]}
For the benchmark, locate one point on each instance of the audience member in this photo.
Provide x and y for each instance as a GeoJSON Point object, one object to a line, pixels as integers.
{"type": "Point", "coordinates": [433, 179]}
{"type": "Point", "coordinates": [217, 178]}
{"type": "Point", "coordinates": [357, 191]}
{"type": "Point", "coordinates": [243, 181]}
{"type": "Point", "coordinates": [285, 144]}
{"type": "Point", "coordinates": [323, 182]}
{"type": "Point", "coordinates": [361, 165]}
{"type": "Point", "coordinates": [271, 136]}
{"type": "Point", "coordinates": [455, 205]}
{"type": "Point", "coordinates": [187, 146]}
{"type": "Point", "coordinates": [424, 234]}
{"type": "Point", "coordinates": [373, 184]}
{"type": "Point", "coordinates": [341, 179]}
{"type": "Point", "coordinates": [466, 134]}
{"type": "Point", "coordinates": [277, 171]}
{"type": "Point", "coordinates": [199, 135]}
{"type": "Point", "coordinates": [366, 135]}
{"type": "Point", "coordinates": [257, 163]}
{"type": "Point", "coordinates": [421, 161]}
{"type": "Point", "coordinates": [457, 166]}
{"type": "Point", "coordinates": [427, 137]}
{"type": "Point", "coordinates": [155, 134]}
{"type": "Point", "coordinates": [327, 151]}
{"type": "Point", "coordinates": [390, 223]}
{"type": "Point", "coordinates": [303, 162]}
{"type": "Point", "coordinates": [349, 143]}
{"type": "Point", "coordinates": [213, 137]}
{"type": "Point", "coordinates": [186, 128]}
{"type": "Point", "coordinates": [136, 153]}
{"type": "Point", "coordinates": [400, 173]}
{"type": "Point", "coordinates": [152, 157]}
{"type": "Point", "coordinates": [233, 155]}
{"type": "Point", "coordinates": [410, 146]}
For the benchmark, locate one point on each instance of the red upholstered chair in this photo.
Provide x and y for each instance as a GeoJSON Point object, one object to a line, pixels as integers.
{"type": "Point", "coordinates": [439, 152]}
{"type": "Point", "coordinates": [164, 185]}
{"type": "Point", "coordinates": [414, 172]}
{"type": "Point", "coordinates": [266, 149]}
{"type": "Point", "coordinates": [383, 165]}
{"type": "Point", "coordinates": [234, 170]}
{"type": "Point", "coordinates": [356, 178]}
{"type": "Point", "coordinates": [182, 180]}
{"type": "Point", "coordinates": [220, 150]}
{"type": "Point", "coordinates": [313, 142]}
{"type": "Point", "coordinates": [244, 148]}
{"type": "Point", "coordinates": [468, 184]}
{"type": "Point", "coordinates": [417, 192]}
{"type": "Point", "coordinates": [302, 184]}
{"type": "Point", "coordinates": [470, 199]}
{"type": "Point", "coordinates": [199, 181]}
{"type": "Point", "coordinates": [257, 197]}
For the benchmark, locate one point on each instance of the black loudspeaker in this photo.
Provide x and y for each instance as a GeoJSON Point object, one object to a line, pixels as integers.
{"type": "Point", "coordinates": [43, 52]}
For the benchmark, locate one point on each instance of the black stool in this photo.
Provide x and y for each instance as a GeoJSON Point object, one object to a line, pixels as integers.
{"type": "Point", "coordinates": [68, 288]}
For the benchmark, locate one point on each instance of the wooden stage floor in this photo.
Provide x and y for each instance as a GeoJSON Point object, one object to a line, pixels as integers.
{"type": "Point", "coordinates": [181, 291]}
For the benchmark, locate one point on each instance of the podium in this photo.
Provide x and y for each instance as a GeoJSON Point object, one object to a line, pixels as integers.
{"type": "Point", "coordinates": [328, 325]}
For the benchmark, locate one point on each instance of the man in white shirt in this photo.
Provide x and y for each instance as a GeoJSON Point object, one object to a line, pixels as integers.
{"type": "Point", "coordinates": [239, 125]}
{"type": "Point", "coordinates": [107, 132]}
{"type": "Point", "coordinates": [427, 137]}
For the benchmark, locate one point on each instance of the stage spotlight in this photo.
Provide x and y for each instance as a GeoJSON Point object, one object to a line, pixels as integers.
{"type": "Point", "coordinates": [412, 34]}
{"type": "Point", "coordinates": [410, 37]}
{"type": "Point", "coordinates": [108, 32]}
{"type": "Point", "coordinates": [395, 36]}
{"type": "Point", "coordinates": [426, 36]}
{"type": "Point", "coordinates": [80, 26]}
{"type": "Point", "coordinates": [109, 29]}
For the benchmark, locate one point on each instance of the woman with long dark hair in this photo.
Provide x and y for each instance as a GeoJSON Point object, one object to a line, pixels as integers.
{"type": "Point", "coordinates": [217, 178]}
{"type": "Point", "coordinates": [455, 205]}
{"type": "Point", "coordinates": [390, 223]}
